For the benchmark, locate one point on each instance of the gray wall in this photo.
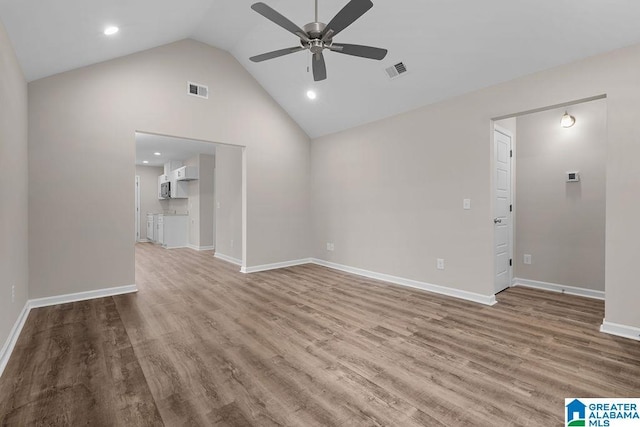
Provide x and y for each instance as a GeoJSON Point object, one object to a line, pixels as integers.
{"type": "Point", "coordinates": [389, 194]}
{"type": "Point", "coordinates": [85, 241]}
{"type": "Point", "coordinates": [201, 201]}
{"type": "Point", "coordinates": [562, 225]}
{"type": "Point", "coordinates": [228, 199]}
{"type": "Point", "coordinates": [13, 194]}
{"type": "Point", "coordinates": [206, 169]}
{"type": "Point", "coordinates": [149, 202]}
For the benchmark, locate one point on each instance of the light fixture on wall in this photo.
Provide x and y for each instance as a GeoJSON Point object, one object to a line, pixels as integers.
{"type": "Point", "coordinates": [567, 120]}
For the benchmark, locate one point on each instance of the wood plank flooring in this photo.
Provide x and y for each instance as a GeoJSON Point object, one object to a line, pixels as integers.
{"type": "Point", "coordinates": [201, 344]}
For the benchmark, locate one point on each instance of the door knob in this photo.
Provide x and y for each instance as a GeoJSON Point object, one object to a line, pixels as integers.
{"type": "Point", "coordinates": [497, 221]}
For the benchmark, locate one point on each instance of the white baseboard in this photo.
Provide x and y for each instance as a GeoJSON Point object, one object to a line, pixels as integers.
{"type": "Point", "coordinates": [175, 247]}
{"type": "Point", "coordinates": [275, 266]}
{"type": "Point", "coordinates": [228, 258]}
{"type": "Point", "coordinates": [443, 290]}
{"type": "Point", "coordinates": [571, 290]}
{"type": "Point", "coordinates": [201, 248]}
{"type": "Point", "coordinates": [10, 343]}
{"type": "Point", "coordinates": [81, 296]}
{"type": "Point", "coordinates": [143, 241]}
{"type": "Point", "coordinates": [624, 331]}
{"type": "Point", "coordinates": [12, 339]}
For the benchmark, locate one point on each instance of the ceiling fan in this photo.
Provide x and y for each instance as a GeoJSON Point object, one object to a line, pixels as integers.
{"type": "Point", "coordinates": [316, 36]}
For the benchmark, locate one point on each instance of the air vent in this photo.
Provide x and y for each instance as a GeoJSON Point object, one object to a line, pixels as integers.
{"type": "Point", "coordinates": [396, 70]}
{"type": "Point", "coordinates": [198, 90]}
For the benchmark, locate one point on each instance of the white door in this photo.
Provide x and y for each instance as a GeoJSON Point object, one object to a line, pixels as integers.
{"type": "Point", "coordinates": [502, 209]}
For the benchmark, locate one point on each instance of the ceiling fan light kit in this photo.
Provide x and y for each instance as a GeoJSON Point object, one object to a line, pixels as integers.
{"type": "Point", "coordinates": [317, 36]}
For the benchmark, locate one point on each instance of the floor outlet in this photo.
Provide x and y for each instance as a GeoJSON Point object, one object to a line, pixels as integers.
{"type": "Point", "coordinates": [440, 264]}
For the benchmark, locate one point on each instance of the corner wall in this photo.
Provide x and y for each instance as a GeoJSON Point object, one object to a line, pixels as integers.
{"type": "Point", "coordinates": [14, 273]}
{"type": "Point", "coordinates": [389, 194]}
{"type": "Point", "coordinates": [82, 156]}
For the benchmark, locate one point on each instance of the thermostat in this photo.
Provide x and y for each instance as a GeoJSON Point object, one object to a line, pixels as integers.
{"type": "Point", "coordinates": [573, 176]}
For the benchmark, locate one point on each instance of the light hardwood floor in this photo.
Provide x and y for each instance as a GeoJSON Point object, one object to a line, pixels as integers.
{"type": "Point", "coordinates": [201, 344]}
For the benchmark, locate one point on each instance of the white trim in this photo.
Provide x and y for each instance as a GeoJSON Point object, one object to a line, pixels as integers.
{"type": "Point", "coordinates": [175, 247]}
{"type": "Point", "coordinates": [571, 290]}
{"type": "Point", "coordinates": [624, 331]}
{"type": "Point", "coordinates": [200, 248]}
{"type": "Point", "coordinates": [12, 339]}
{"type": "Point", "coordinates": [227, 258]}
{"type": "Point", "coordinates": [443, 290]}
{"type": "Point", "coordinates": [81, 296]}
{"type": "Point", "coordinates": [10, 343]}
{"type": "Point", "coordinates": [275, 266]}
{"type": "Point", "coordinates": [144, 241]}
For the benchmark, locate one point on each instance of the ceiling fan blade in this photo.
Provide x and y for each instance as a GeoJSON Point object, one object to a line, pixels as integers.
{"type": "Point", "coordinates": [276, 54]}
{"type": "Point", "coordinates": [278, 19]}
{"type": "Point", "coordinates": [352, 11]}
{"type": "Point", "coordinates": [319, 67]}
{"type": "Point", "coordinates": [359, 50]}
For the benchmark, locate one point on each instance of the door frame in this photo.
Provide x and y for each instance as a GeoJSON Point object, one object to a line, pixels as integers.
{"type": "Point", "coordinates": [137, 210]}
{"type": "Point", "coordinates": [511, 239]}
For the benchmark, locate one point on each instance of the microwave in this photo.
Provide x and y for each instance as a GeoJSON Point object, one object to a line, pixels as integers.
{"type": "Point", "coordinates": [165, 190]}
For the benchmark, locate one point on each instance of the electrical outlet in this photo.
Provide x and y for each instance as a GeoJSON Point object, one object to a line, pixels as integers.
{"type": "Point", "coordinates": [330, 247]}
{"type": "Point", "coordinates": [466, 204]}
{"type": "Point", "coordinates": [231, 243]}
{"type": "Point", "coordinates": [13, 293]}
{"type": "Point", "coordinates": [440, 264]}
{"type": "Point", "coordinates": [218, 205]}
{"type": "Point", "coordinates": [527, 259]}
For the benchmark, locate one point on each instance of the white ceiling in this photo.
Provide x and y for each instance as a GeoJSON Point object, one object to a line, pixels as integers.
{"type": "Point", "coordinates": [170, 149]}
{"type": "Point", "coordinates": [449, 46]}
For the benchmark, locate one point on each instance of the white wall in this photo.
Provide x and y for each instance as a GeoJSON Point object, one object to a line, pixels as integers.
{"type": "Point", "coordinates": [149, 202]}
{"type": "Point", "coordinates": [13, 194]}
{"type": "Point", "coordinates": [228, 199]}
{"type": "Point", "coordinates": [562, 225]}
{"type": "Point", "coordinates": [389, 194]}
{"type": "Point", "coordinates": [85, 240]}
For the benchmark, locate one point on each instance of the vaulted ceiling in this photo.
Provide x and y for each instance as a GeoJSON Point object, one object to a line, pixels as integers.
{"type": "Point", "coordinates": [448, 46]}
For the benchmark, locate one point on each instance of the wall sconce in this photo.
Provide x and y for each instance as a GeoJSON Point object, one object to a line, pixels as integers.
{"type": "Point", "coordinates": [567, 120]}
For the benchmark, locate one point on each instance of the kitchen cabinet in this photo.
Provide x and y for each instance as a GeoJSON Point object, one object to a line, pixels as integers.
{"type": "Point", "coordinates": [172, 230]}
{"type": "Point", "coordinates": [179, 189]}
{"type": "Point", "coordinates": [150, 227]}
{"type": "Point", "coordinates": [171, 166]}
{"type": "Point", "coordinates": [159, 235]}
{"type": "Point", "coordinates": [187, 173]}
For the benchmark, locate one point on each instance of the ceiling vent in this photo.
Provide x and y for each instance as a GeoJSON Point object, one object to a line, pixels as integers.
{"type": "Point", "coordinates": [396, 70]}
{"type": "Point", "coordinates": [196, 89]}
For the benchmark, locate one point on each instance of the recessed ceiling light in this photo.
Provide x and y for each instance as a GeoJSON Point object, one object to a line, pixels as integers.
{"type": "Point", "coordinates": [311, 94]}
{"type": "Point", "coordinates": [109, 31]}
{"type": "Point", "coordinates": [145, 161]}
{"type": "Point", "coordinates": [157, 154]}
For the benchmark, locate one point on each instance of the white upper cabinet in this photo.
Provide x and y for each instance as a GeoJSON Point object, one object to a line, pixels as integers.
{"type": "Point", "coordinates": [187, 173]}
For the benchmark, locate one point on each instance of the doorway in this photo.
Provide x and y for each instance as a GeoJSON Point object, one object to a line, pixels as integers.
{"type": "Point", "coordinates": [555, 217]}
{"type": "Point", "coordinates": [191, 195]}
